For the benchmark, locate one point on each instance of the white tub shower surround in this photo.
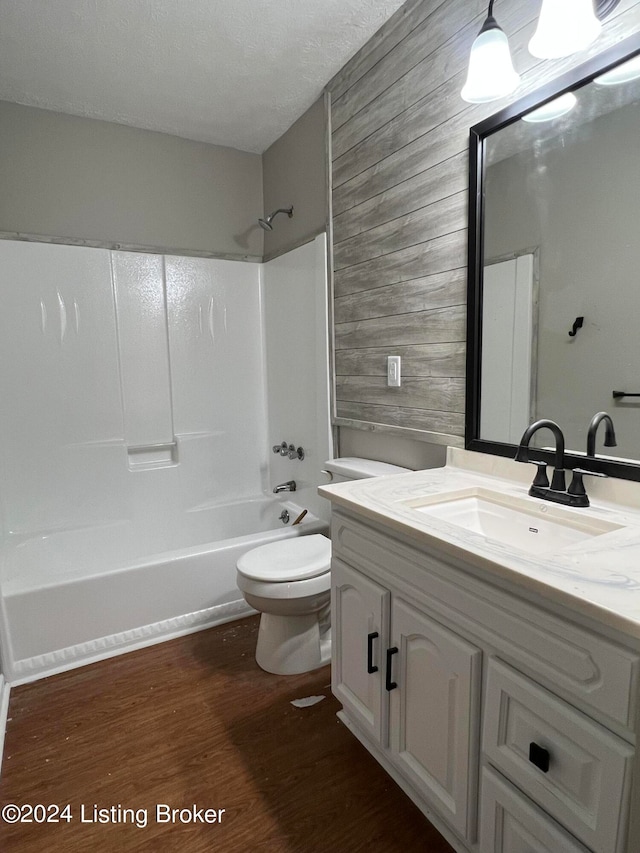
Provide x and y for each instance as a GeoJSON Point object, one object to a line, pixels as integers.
{"type": "Point", "coordinates": [137, 423]}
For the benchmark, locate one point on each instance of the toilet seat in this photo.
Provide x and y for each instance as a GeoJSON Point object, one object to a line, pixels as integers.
{"type": "Point", "coordinates": [287, 560]}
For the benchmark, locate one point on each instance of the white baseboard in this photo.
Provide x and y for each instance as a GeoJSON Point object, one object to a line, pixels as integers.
{"type": "Point", "coordinates": [4, 709]}
{"type": "Point", "coordinates": [52, 663]}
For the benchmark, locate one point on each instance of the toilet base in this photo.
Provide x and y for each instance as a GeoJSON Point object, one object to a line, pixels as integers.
{"type": "Point", "coordinates": [289, 645]}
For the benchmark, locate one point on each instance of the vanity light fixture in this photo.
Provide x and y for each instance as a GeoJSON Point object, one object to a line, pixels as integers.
{"type": "Point", "coordinates": [553, 109]}
{"type": "Point", "coordinates": [564, 27]}
{"type": "Point", "coordinates": [629, 70]}
{"type": "Point", "coordinates": [491, 73]}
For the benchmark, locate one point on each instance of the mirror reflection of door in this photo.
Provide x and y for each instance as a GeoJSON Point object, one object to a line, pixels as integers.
{"type": "Point", "coordinates": [509, 319]}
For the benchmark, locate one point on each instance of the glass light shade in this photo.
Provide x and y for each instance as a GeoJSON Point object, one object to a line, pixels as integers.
{"type": "Point", "coordinates": [554, 109]}
{"type": "Point", "coordinates": [491, 73]}
{"type": "Point", "coordinates": [629, 70]}
{"type": "Point", "coordinates": [564, 27]}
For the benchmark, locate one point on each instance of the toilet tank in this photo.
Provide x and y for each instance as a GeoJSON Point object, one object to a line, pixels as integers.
{"type": "Point", "coordinates": [347, 468]}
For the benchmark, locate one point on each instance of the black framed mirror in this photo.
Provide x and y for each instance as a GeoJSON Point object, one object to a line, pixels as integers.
{"type": "Point", "coordinates": [553, 322]}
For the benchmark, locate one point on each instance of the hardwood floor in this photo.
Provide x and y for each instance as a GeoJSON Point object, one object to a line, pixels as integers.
{"type": "Point", "coordinates": [195, 722]}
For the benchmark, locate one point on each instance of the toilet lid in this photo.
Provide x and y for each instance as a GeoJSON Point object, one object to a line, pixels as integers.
{"type": "Point", "coordinates": [288, 559]}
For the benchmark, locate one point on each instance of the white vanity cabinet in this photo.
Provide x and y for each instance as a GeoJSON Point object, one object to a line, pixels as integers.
{"type": "Point", "coordinates": [412, 686]}
{"type": "Point", "coordinates": [510, 726]}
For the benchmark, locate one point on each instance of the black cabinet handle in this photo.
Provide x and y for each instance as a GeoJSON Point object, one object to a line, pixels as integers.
{"type": "Point", "coordinates": [370, 638]}
{"type": "Point", "coordinates": [390, 685]}
{"type": "Point", "coordinates": [539, 756]}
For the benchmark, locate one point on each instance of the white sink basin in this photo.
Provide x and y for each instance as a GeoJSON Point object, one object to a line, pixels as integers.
{"type": "Point", "coordinates": [527, 524]}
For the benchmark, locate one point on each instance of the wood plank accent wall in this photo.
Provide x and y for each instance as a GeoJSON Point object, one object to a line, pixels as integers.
{"type": "Point", "coordinates": [399, 142]}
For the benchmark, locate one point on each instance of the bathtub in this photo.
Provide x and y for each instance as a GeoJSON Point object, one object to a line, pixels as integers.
{"type": "Point", "coordinates": [76, 596]}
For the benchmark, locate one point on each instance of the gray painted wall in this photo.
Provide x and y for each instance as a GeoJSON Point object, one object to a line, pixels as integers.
{"type": "Point", "coordinates": [64, 176]}
{"type": "Point", "coordinates": [295, 173]}
{"type": "Point", "coordinates": [399, 196]}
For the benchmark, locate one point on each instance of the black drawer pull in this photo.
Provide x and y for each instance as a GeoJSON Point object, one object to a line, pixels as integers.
{"type": "Point", "coordinates": [390, 685]}
{"type": "Point", "coordinates": [539, 756]}
{"type": "Point", "coordinates": [370, 638]}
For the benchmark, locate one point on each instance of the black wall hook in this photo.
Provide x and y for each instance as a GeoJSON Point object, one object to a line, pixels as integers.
{"type": "Point", "coordinates": [577, 324]}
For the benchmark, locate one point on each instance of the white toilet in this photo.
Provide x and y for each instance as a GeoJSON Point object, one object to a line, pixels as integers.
{"type": "Point", "coordinates": [289, 582]}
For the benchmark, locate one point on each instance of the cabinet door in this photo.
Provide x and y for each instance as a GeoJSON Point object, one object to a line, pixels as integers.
{"type": "Point", "coordinates": [360, 623]}
{"type": "Point", "coordinates": [434, 712]}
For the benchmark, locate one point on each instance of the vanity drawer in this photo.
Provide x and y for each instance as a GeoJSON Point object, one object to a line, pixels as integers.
{"type": "Point", "coordinates": [574, 768]}
{"type": "Point", "coordinates": [511, 823]}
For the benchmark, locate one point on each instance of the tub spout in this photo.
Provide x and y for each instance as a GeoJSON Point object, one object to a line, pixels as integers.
{"type": "Point", "coordinates": [289, 486]}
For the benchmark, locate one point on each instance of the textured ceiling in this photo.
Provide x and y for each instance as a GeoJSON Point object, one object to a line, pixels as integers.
{"type": "Point", "coordinates": [230, 72]}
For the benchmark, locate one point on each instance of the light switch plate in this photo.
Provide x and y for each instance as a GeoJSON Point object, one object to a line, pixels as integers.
{"type": "Point", "coordinates": [393, 371]}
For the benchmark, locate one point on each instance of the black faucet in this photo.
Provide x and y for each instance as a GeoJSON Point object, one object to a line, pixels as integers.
{"type": "Point", "coordinates": [557, 492]}
{"type": "Point", "coordinates": [540, 487]}
{"type": "Point", "coordinates": [577, 489]}
{"type": "Point", "coordinates": [609, 434]}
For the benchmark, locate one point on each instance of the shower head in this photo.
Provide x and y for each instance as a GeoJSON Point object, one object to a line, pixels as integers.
{"type": "Point", "coordinates": [266, 223]}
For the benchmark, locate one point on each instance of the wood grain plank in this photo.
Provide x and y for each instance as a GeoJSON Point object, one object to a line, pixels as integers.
{"type": "Point", "coordinates": [407, 74]}
{"type": "Point", "coordinates": [439, 181]}
{"type": "Point", "coordinates": [447, 140]}
{"type": "Point", "coordinates": [444, 216]}
{"type": "Point", "coordinates": [434, 109]}
{"type": "Point", "coordinates": [439, 255]}
{"type": "Point", "coordinates": [421, 294]}
{"type": "Point", "coordinates": [437, 393]}
{"type": "Point", "coordinates": [421, 360]}
{"type": "Point", "coordinates": [397, 28]}
{"type": "Point", "coordinates": [438, 326]}
{"type": "Point", "coordinates": [447, 423]}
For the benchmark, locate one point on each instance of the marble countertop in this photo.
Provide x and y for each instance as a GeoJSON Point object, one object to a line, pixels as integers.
{"type": "Point", "coordinates": [598, 576]}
